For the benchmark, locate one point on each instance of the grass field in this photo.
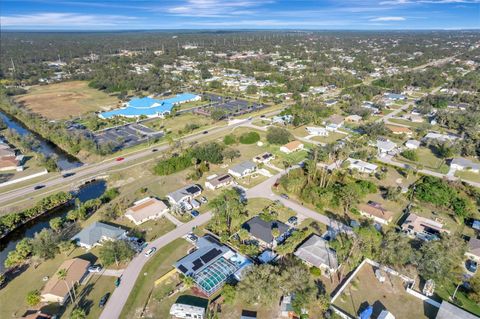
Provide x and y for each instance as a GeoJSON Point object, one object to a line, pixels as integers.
{"type": "Point", "coordinates": [469, 176]}
{"type": "Point", "coordinates": [31, 279]}
{"type": "Point", "coordinates": [366, 290]}
{"type": "Point", "coordinates": [157, 266]}
{"type": "Point", "coordinates": [428, 159]}
{"type": "Point", "coordinates": [67, 99]}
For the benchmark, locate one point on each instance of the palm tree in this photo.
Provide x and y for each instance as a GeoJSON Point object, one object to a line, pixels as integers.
{"type": "Point", "coordinates": [62, 275]}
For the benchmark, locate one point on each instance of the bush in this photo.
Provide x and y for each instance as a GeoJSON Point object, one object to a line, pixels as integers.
{"type": "Point", "coordinates": [277, 135]}
{"type": "Point", "coordinates": [316, 272]}
{"type": "Point", "coordinates": [229, 139]}
{"type": "Point", "coordinates": [249, 138]}
{"type": "Point", "coordinates": [33, 298]}
{"type": "Point", "coordinates": [410, 155]}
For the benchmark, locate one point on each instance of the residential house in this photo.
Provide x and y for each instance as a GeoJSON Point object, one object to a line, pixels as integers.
{"type": "Point", "coordinates": [291, 147]}
{"type": "Point", "coordinates": [261, 230]}
{"type": "Point", "coordinates": [330, 102]}
{"type": "Point", "coordinates": [439, 137]}
{"type": "Point", "coordinates": [185, 311]}
{"type": "Point", "coordinates": [415, 118]}
{"type": "Point", "coordinates": [9, 159]}
{"type": "Point", "coordinates": [219, 181]}
{"type": "Point", "coordinates": [98, 232]}
{"type": "Point", "coordinates": [353, 118]}
{"type": "Point", "coordinates": [211, 264]}
{"type": "Point", "coordinates": [370, 106]}
{"type": "Point", "coordinates": [361, 166]}
{"type": "Point", "coordinates": [316, 252]}
{"type": "Point", "coordinates": [399, 130]}
{"type": "Point", "coordinates": [412, 144]}
{"type": "Point", "coordinates": [473, 249]}
{"type": "Point", "coordinates": [334, 122]}
{"type": "Point", "coordinates": [376, 212]}
{"type": "Point", "coordinates": [422, 228]}
{"type": "Point", "coordinates": [450, 311]}
{"type": "Point", "coordinates": [146, 209]}
{"type": "Point", "coordinates": [282, 119]}
{"type": "Point", "coordinates": [386, 147]}
{"type": "Point", "coordinates": [463, 164]}
{"type": "Point", "coordinates": [394, 96]}
{"type": "Point", "coordinates": [286, 307]}
{"type": "Point", "coordinates": [264, 158]}
{"type": "Point", "coordinates": [317, 131]}
{"type": "Point", "coordinates": [57, 289]}
{"type": "Point", "coordinates": [184, 194]}
{"type": "Point", "coordinates": [243, 169]}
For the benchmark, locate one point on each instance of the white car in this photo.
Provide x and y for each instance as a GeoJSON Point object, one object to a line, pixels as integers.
{"type": "Point", "coordinates": [186, 206]}
{"type": "Point", "coordinates": [195, 203]}
{"type": "Point", "coordinates": [150, 252]}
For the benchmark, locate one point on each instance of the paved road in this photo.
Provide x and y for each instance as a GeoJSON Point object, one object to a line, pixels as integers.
{"type": "Point", "coordinates": [390, 161]}
{"type": "Point", "coordinates": [119, 297]}
{"type": "Point", "coordinates": [264, 190]}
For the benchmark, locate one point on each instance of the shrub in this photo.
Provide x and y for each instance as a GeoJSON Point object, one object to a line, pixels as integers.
{"type": "Point", "coordinates": [229, 139]}
{"type": "Point", "coordinates": [250, 138]}
{"type": "Point", "coordinates": [410, 155]}
{"type": "Point", "coordinates": [277, 135]}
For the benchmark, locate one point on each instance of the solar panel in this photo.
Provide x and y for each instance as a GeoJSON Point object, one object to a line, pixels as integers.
{"type": "Point", "coordinates": [212, 253]}
{"type": "Point", "coordinates": [183, 269]}
{"type": "Point", "coordinates": [197, 264]}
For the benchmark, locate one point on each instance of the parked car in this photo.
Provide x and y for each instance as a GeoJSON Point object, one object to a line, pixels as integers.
{"type": "Point", "coordinates": [186, 206]}
{"type": "Point", "coordinates": [293, 220]}
{"type": "Point", "coordinates": [38, 187]}
{"type": "Point", "coordinates": [150, 252]}
{"type": "Point", "coordinates": [104, 300]}
{"type": "Point", "coordinates": [285, 196]}
{"type": "Point", "coordinates": [117, 282]}
{"type": "Point", "coordinates": [195, 203]}
{"type": "Point", "coordinates": [203, 200]}
{"type": "Point", "coordinates": [95, 268]}
{"type": "Point", "coordinates": [119, 159]}
{"type": "Point", "coordinates": [205, 132]}
{"type": "Point", "coordinates": [191, 237]}
{"type": "Point", "coordinates": [471, 265]}
{"type": "Point", "coordinates": [68, 175]}
{"type": "Point", "coordinates": [194, 213]}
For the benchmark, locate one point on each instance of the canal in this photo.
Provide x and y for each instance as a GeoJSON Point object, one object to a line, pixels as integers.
{"type": "Point", "coordinates": [64, 160]}
{"type": "Point", "coordinates": [89, 191]}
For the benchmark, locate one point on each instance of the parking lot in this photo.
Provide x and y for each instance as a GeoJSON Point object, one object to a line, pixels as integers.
{"type": "Point", "coordinates": [231, 107]}
{"type": "Point", "coordinates": [125, 136]}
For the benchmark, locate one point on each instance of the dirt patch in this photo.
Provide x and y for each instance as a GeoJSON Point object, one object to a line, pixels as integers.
{"type": "Point", "coordinates": [66, 100]}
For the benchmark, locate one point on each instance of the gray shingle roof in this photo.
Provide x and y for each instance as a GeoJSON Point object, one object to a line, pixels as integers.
{"type": "Point", "coordinates": [317, 252]}
{"type": "Point", "coordinates": [262, 230]}
{"type": "Point", "coordinates": [183, 192]}
{"type": "Point", "coordinates": [96, 231]}
{"type": "Point", "coordinates": [242, 167]}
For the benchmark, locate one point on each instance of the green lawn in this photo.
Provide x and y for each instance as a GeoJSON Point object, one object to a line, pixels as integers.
{"type": "Point", "coordinates": [159, 264]}
{"type": "Point", "coordinates": [408, 123]}
{"type": "Point", "coordinates": [152, 229]}
{"type": "Point", "coordinates": [90, 294]}
{"type": "Point", "coordinates": [331, 138]}
{"type": "Point", "coordinates": [462, 299]}
{"type": "Point", "coordinates": [31, 279]}
{"type": "Point", "coordinates": [428, 159]}
{"type": "Point", "coordinates": [469, 176]}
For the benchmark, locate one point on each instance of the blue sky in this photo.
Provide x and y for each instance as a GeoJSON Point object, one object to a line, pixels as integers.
{"type": "Point", "coordinates": [239, 14]}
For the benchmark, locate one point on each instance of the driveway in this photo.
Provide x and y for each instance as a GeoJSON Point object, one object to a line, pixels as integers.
{"type": "Point", "coordinates": [119, 297]}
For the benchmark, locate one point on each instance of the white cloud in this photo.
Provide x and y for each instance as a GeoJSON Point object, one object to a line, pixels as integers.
{"type": "Point", "coordinates": [401, 2]}
{"type": "Point", "coordinates": [216, 8]}
{"type": "Point", "coordinates": [388, 19]}
{"type": "Point", "coordinates": [51, 19]}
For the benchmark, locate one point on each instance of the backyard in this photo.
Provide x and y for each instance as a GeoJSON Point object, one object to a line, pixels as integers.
{"type": "Point", "coordinates": [365, 289]}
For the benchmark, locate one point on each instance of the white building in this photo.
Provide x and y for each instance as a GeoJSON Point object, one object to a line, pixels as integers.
{"type": "Point", "coordinates": [386, 147]}
{"type": "Point", "coordinates": [243, 169]}
{"type": "Point", "coordinates": [462, 164]}
{"type": "Point", "coordinates": [219, 181]}
{"type": "Point", "coordinates": [184, 311]}
{"type": "Point", "coordinates": [361, 166]}
{"type": "Point", "coordinates": [412, 144]}
{"type": "Point", "coordinates": [292, 147]}
{"type": "Point", "coordinates": [146, 209]}
{"type": "Point", "coordinates": [317, 131]}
